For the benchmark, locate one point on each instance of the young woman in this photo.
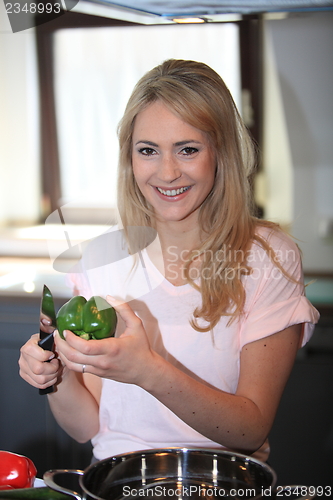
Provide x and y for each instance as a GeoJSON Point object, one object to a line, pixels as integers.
{"type": "Point", "coordinates": [201, 358]}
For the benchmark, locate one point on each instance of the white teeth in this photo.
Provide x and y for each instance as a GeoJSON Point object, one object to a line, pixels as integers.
{"type": "Point", "coordinates": [174, 192]}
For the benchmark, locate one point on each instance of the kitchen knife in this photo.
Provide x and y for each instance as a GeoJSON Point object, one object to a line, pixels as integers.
{"type": "Point", "coordinates": [47, 312]}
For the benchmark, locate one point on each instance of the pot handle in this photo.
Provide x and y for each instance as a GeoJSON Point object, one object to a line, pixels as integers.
{"type": "Point", "coordinates": [50, 481]}
{"type": "Point", "coordinates": [296, 489]}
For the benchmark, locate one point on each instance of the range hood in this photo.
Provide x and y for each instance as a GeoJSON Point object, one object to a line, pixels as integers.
{"type": "Point", "coordinates": [170, 11]}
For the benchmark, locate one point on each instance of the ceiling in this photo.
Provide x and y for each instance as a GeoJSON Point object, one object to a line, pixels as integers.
{"type": "Point", "coordinates": [189, 7]}
{"type": "Point", "coordinates": [161, 11]}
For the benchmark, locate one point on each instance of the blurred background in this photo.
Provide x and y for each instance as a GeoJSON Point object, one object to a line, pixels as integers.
{"type": "Point", "coordinates": [63, 88]}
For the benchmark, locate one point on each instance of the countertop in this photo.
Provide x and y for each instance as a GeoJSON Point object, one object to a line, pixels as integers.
{"type": "Point", "coordinates": [27, 256]}
{"type": "Point", "coordinates": [24, 277]}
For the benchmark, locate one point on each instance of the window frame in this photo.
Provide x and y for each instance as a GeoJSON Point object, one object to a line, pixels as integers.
{"type": "Point", "coordinates": [251, 62]}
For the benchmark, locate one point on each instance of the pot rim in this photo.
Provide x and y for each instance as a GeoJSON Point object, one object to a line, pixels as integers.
{"type": "Point", "coordinates": [180, 450]}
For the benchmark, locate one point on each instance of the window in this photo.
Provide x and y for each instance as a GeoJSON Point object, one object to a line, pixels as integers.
{"type": "Point", "coordinates": [95, 70]}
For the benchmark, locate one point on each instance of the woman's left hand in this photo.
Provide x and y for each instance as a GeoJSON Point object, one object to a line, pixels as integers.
{"type": "Point", "coordinates": [127, 358]}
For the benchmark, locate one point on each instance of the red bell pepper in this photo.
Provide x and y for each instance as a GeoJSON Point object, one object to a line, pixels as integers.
{"type": "Point", "coordinates": [16, 471]}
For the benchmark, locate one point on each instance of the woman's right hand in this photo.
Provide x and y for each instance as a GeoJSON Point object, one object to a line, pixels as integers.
{"type": "Point", "coordinates": [34, 367]}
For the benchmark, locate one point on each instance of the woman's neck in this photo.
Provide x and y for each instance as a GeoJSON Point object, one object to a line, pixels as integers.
{"type": "Point", "coordinates": [176, 241]}
{"type": "Point", "coordinates": [180, 234]}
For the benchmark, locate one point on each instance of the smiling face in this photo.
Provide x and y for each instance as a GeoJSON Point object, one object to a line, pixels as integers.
{"type": "Point", "coordinates": [173, 163]}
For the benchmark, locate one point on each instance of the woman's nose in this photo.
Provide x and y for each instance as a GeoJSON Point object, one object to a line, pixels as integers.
{"type": "Point", "coordinates": [169, 170]}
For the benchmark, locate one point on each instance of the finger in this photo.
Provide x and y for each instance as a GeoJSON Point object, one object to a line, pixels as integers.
{"type": "Point", "coordinates": [125, 312]}
{"type": "Point", "coordinates": [44, 327]}
{"type": "Point", "coordinates": [75, 352]}
{"type": "Point", "coordinates": [74, 342]}
{"type": "Point", "coordinates": [39, 374]}
{"type": "Point", "coordinates": [37, 368]}
{"type": "Point", "coordinates": [75, 362]}
{"type": "Point", "coordinates": [33, 350]}
{"type": "Point", "coordinates": [39, 383]}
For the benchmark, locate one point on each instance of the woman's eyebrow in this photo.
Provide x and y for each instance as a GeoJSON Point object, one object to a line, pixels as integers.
{"type": "Point", "coordinates": [189, 141]}
{"type": "Point", "coordinates": [180, 143]}
{"type": "Point", "coordinates": [150, 143]}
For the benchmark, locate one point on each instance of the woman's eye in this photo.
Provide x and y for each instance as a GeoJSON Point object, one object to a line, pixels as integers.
{"type": "Point", "coordinates": [147, 151]}
{"type": "Point", "coordinates": [189, 151]}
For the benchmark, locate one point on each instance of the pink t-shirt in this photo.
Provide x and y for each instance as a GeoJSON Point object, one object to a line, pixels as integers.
{"type": "Point", "coordinates": [130, 418]}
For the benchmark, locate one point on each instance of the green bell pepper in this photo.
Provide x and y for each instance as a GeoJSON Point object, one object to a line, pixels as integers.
{"type": "Point", "coordinates": [92, 319]}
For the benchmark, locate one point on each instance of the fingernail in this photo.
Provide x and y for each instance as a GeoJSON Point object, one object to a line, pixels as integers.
{"type": "Point", "coordinates": [51, 357]}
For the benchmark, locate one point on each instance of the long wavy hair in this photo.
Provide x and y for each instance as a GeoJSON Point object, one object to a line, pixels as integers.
{"type": "Point", "coordinates": [199, 96]}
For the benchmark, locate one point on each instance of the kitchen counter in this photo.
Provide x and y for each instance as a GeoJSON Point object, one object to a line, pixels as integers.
{"type": "Point", "coordinates": [25, 277]}
{"type": "Point", "coordinates": [319, 290]}
{"type": "Point", "coordinates": [46, 240]}
{"type": "Point", "coordinates": [27, 256]}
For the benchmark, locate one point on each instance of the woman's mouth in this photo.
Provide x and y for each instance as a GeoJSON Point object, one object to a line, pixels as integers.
{"type": "Point", "coordinates": [173, 192]}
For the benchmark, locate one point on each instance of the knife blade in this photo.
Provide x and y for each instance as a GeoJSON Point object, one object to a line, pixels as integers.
{"type": "Point", "coordinates": [47, 325]}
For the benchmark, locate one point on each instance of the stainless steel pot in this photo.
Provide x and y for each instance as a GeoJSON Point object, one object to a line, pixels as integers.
{"type": "Point", "coordinates": [180, 473]}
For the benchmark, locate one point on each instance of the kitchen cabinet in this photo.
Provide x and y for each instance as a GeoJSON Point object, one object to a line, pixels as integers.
{"type": "Point", "coordinates": [302, 436]}
{"type": "Point", "coordinates": [26, 423]}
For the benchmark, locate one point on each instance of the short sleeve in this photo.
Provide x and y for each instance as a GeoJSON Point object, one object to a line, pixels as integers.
{"type": "Point", "coordinates": [274, 301]}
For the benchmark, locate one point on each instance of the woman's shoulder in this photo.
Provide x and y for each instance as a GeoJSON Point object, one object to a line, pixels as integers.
{"type": "Point", "coordinates": [274, 236]}
{"type": "Point", "coordinates": [272, 243]}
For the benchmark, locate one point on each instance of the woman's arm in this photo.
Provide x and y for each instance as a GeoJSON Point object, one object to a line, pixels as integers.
{"type": "Point", "coordinates": [75, 402]}
{"type": "Point", "coordinates": [241, 421]}
{"type": "Point", "coordinates": [75, 405]}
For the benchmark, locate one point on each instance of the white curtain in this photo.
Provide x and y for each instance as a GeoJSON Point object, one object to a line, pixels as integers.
{"type": "Point", "coordinates": [19, 126]}
{"type": "Point", "coordinates": [95, 72]}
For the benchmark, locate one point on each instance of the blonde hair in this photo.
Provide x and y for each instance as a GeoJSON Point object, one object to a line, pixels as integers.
{"type": "Point", "coordinates": [199, 96]}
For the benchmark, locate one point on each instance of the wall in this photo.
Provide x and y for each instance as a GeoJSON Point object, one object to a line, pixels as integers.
{"type": "Point", "coordinates": [275, 183]}
{"type": "Point", "coordinates": [302, 49]}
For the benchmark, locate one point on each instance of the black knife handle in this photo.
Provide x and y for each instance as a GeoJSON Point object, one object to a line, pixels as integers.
{"type": "Point", "coordinates": [48, 390]}
{"type": "Point", "coordinates": [47, 344]}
